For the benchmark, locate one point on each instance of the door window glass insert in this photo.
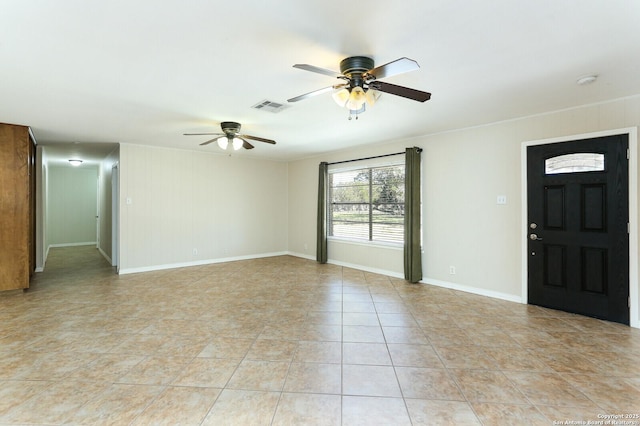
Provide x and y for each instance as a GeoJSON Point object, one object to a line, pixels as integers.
{"type": "Point", "coordinates": [574, 163]}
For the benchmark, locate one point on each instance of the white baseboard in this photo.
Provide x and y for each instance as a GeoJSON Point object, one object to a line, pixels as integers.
{"type": "Point", "coordinates": [105, 255]}
{"type": "Point", "coordinates": [302, 255]}
{"type": "Point", "coordinates": [366, 269]}
{"type": "Point", "coordinates": [88, 243]}
{"type": "Point", "coordinates": [473, 290]}
{"type": "Point", "coordinates": [352, 265]}
{"type": "Point", "coordinates": [124, 271]}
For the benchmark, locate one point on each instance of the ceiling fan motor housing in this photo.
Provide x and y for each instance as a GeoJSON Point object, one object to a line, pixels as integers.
{"type": "Point", "coordinates": [230, 127]}
{"type": "Point", "coordinates": [354, 67]}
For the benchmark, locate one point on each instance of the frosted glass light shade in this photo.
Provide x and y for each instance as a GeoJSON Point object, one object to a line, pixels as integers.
{"type": "Point", "coordinates": [341, 97]}
{"type": "Point", "coordinates": [237, 143]}
{"type": "Point", "coordinates": [223, 142]}
{"type": "Point", "coordinates": [372, 96]}
{"type": "Point", "coordinates": [357, 98]}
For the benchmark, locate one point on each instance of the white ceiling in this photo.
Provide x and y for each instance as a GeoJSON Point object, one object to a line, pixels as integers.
{"type": "Point", "coordinates": [147, 71]}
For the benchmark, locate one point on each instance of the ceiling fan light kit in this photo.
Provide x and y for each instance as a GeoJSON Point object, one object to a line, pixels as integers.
{"type": "Point", "coordinates": [225, 141]}
{"type": "Point", "coordinates": [361, 84]}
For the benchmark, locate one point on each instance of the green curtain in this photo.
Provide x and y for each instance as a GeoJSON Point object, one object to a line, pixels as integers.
{"type": "Point", "coordinates": [321, 243]}
{"type": "Point", "coordinates": [412, 191]}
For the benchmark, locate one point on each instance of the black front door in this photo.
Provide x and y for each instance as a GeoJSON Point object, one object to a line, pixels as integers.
{"type": "Point", "coordinates": [578, 239]}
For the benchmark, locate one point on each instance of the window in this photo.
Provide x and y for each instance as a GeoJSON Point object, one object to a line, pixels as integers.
{"type": "Point", "coordinates": [574, 163]}
{"type": "Point", "coordinates": [367, 204]}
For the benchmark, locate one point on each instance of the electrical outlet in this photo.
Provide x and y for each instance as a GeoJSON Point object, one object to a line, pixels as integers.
{"type": "Point", "coordinates": [195, 251]}
{"type": "Point", "coordinates": [452, 270]}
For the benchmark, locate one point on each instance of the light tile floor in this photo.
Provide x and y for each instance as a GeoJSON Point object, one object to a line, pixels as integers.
{"type": "Point", "coordinates": [287, 341]}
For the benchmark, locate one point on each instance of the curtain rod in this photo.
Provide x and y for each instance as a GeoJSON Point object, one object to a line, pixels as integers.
{"type": "Point", "coordinates": [370, 158]}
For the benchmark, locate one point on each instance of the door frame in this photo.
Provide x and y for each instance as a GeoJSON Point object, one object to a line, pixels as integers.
{"type": "Point", "coordinates": [632, 134]}
{"type": "Point", "coordinates": [98, 215]}
{"type": "Point", "coordinates": [115, 216]}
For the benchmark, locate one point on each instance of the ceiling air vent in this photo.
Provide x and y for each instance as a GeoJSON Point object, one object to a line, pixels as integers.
{"type": "Point", "coordinates": [270, 106]}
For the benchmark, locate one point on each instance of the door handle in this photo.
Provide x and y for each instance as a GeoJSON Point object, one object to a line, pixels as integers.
{"type": "Point", "coordinates": [534, 237]}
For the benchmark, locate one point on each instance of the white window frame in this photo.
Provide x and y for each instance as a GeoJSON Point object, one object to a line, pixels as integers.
{"type": "Point", "coordinates": [361, 241]}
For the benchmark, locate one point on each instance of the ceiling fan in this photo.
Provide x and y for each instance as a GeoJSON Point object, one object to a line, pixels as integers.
{"type": "Point", "coordinates": [361, 82]}
{"type": "Point", "coordinates": [231, 136]}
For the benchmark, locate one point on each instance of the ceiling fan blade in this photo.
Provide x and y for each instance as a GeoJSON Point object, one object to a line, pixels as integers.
{"type": "Point", "coordinates": [398, 66]}
{"type": "Point", "coordinates": [318, 70]}
{"type": "Point", "coordinates": [255, 138]}
{"type": "Point", "coordinates": [209, 141]}
{"type": "Point", "coordinates": [311, 94]}
{"type": "Point", "coordinates": [202, 134]}
{"type": "Point", "coordinates": [247, 145]}
{"type": "Point", "coordinates": [405, 92]}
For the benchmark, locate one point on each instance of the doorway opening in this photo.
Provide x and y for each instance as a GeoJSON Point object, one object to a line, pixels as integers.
{"type": "Point", "coordinates": [76, 201]}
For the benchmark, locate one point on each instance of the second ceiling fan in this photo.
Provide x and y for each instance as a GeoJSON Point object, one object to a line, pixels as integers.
{"type": "Point", "coordinates": [231, 136]}
{"type": "Point", "coordinates": [361, 82]}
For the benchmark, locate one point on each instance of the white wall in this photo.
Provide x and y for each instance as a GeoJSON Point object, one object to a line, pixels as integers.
{"type": "Point", "coordinates": [71, 205]}
{"type": "Point", "coordinates": [224, 207]}
{"type": "Point", "coordinates": [463, 173]}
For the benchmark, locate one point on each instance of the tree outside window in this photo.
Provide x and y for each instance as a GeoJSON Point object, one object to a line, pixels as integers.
{"type": "Point", "coordinates": [367, 204]}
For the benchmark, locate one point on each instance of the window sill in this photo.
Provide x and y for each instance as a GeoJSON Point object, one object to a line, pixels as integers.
{"type": "Point", "coordinates": [376, 244]}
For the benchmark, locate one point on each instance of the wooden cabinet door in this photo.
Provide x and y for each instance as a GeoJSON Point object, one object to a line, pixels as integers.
{"type": "Point", "coordinates": [15, 206]}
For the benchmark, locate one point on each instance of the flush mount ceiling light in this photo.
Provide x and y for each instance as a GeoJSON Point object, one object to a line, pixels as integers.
{"type": "Point", "coordinates": [75, 162]}
{"type": "Point", "coordinates": [587, 79]}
